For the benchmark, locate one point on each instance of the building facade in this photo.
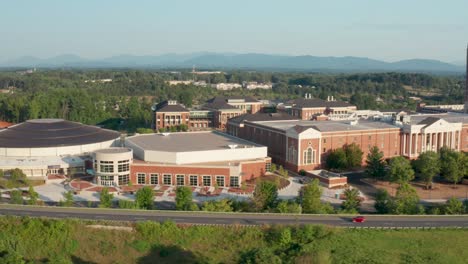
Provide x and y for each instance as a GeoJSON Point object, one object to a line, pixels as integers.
{"type": "Point", "coordinates": [169, 114]}
{"type": "Point", "coordinates": [309, 108]}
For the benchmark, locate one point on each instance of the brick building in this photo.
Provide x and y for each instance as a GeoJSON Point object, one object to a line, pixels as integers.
{"type": "Point", "coordinates": [194, 159]}
{"type": "Point", "coordinates": [309, 108]}
{"type": "Point", "coordinates": [168, 114]}
{"type": "Point", "coordinates": [224, 108]}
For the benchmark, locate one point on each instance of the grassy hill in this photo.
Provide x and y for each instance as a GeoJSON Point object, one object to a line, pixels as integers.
{"type": "Point", "coordinates": [73, 241]}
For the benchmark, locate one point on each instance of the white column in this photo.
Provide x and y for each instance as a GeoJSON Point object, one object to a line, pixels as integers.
{"type": "Point", "coordinates": [410, 149]}
{"type": "Point", "coordinates": [430, 141]}
{"type": "Point", "coordinates": [404, 143]}
{"type": "Point", "coordinates": [416, 144]}
{"type": "Point", "coordinates": [452, 139]}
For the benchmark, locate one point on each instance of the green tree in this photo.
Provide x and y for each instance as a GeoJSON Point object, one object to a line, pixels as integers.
{"type": "Point", "coordinates": [106, 198]}
{"type": "Point", "coordinates": [352, 202]}
{"type": "Point", "coordinates": [68, 196]}
{"type": "Point", "coordinates": [353, 155]}
{"type": "Point", "coordinates": [223, 205]}
{"type": "Point", "coordinates": [454, 206]}
{"type": "Point", "coordinates": [183, 198]}
{"type": "Point", "coordinates": [12, 257]}
{"type": "Point", "coordinates": [33, 196]}
{"type": "Point", "coordinates": [288, 207]}
{"type": "Point", "coordinates": [383, 201]}
{"type": "Point", "coordinates": [452, 165]}
{"type": "Point", "coordinates": [273, 167]}
{"type": "Point", "coordinates": [427, 166]}
{"type": "Point", "coordinates": [375, 164]}
{"type": "Point", "coordinates": [16, 197]}
{"type": "Point", "coordinates": [126, 204]}
{"type": "Point", "coordinates": [265, 195]}
{"type": "Point", "coordinates": [336, 160]}
{"type": "Point", "coordinates": [309, 198]}
{"type": "Point", "coordinates": [400, 170]}
{"type": "Point", "coordinates": [406, 200]}
{"type": "Point", "coordinates": [145, 198]}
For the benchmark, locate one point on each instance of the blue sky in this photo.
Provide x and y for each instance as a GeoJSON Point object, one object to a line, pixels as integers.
{"type": "Point", "coordinates": [388, 30]}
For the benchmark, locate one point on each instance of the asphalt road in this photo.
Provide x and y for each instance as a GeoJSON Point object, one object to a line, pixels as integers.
{"type": "Point", "coordinates": [232, 218]}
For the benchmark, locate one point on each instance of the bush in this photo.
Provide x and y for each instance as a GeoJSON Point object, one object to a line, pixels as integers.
{"type": "Point", "coordinates": [302, 173]}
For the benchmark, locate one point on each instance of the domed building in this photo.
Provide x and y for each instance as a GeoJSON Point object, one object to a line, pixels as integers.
{"type": "Point", "coordinates": [51, 146]}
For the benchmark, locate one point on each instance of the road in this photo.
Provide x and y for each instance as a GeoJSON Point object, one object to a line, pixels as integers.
{"type": "Point", "coordinates": [231, 218]}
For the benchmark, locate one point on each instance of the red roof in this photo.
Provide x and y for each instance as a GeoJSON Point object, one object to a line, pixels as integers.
{"type": "Point", "coordinates": [4, 124]}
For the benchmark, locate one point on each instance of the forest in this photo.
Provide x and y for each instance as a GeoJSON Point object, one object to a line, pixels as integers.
{"type": "Point", "coordinates": [124, 103]}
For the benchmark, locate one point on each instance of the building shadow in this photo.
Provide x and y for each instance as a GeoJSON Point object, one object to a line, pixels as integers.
{"type": "Point", "coordinates": [170, 254]}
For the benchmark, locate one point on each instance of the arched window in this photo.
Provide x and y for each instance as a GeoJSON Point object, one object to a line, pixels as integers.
{"type": "Point", "coordinates": [309, 156]}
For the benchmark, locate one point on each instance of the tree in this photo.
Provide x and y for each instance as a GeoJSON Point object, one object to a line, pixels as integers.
{"type": "Point", "coordinates": [33, 196]}
{"type": "Point", "coordinates": [375, 164]}
{"type": "Point", "coordinates": [352, 202]}
{"type": "Point", "coordinates": [223, 205]}
{"type": "Point", "coordinates": [337, 159]}
{"type": "Point", "coordinates": [16, 197]}
{"type": "Point", "coordinates": [406, 200]}
{"type": "Point", "coordinates": [273, 167]}
{"type": "Point", "coordinates": [126, 204]}
{"type": "Point", "coordinates": [106, 198]}
{"type": "Point", "coordinates": [309, 198]}
{"type": "Point", "coordinates": [353, 155]}
{"type": "Point", "coordinates": [400, 170]}
{"type": "Point", "coordinates": [12, 257]}
{"type": "Point", "coordinates": [265, 195]}
{"type": "Point", "coordinates": [145, 198]}
{"type": "Point", "coordinates": [383, 201]}
{"type": "Point", "coordinates": [68, 196]}
{"type": "Point", "coordinates": [288, 207]}
{"type": "Point", "coordinates": [427, 167]}
{"type": "Point", "coordinates": [183, 198]}
{"type": "Point", "coordinates": [454, 206]}
{"type": "Point", "coordinates": [452, 165]}
{"type": "Point", "coordinates": [17, 175]}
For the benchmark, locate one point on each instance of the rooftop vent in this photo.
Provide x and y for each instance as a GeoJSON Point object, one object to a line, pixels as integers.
{"type": "Point", "coordinates": [232, 146]}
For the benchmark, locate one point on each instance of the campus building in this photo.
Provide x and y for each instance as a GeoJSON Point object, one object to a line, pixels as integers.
{"type": "Point", "coordinates": [193, 159]}
{"type": "Point", "coordinates": [309, 108]}
{"type": "Point", "coordinates": [51, 146]}
{"type": "Point", "coordinates": [169, 114]}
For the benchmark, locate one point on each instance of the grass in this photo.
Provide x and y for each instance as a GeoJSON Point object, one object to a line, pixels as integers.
{"type": "Point", "coordinates": [168, 243]}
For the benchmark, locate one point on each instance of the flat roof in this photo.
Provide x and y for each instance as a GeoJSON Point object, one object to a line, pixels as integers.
{"type": "Point", "coordinates": [188, 141]}
{"type": "Point", "coordinates": [114, 150]}
{"type": "Point", "coordinates": [451, 117]}
{"type": "Point", "coordinates": [329, 126]}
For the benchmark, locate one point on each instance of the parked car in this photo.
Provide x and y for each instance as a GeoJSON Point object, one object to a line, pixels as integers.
{"type": "Point", "coordinates": [359, 219]}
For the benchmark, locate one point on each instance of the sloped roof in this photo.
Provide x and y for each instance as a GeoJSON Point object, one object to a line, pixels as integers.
{"type": "Point", "coordinates": [247, 99]}
{"type": "Point", "coordinates": [262, 117]}
{"type": "Point", "coordinates": [220, 106]}
{"type": "Point", "coordinates": [429, 121]}
{"type": "Point", "coordinates": [315, 102]}
{"type": "Point", "coordinates": [166, 107]}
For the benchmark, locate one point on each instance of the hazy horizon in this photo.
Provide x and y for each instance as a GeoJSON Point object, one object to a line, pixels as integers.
{"type": "Point", "coordinates": [387, 31]}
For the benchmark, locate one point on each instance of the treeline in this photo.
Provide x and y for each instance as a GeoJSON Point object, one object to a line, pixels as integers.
{"type": "Point", "coordinates": [125, 102]}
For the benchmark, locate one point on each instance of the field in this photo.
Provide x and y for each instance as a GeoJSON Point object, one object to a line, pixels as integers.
{"type": "Point", "coordinates": [73, 241]}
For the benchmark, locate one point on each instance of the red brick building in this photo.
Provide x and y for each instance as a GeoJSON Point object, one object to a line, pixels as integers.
{"type": "Point", "coordinates": [169, 114]}
{"type": "Point", "coordinates": [224, 108]}
{"type": "Point", "coordinates": [309, 108]}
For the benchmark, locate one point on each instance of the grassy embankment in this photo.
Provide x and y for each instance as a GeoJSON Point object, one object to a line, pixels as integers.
{"type": "Point", "coordinates": [62, 241]}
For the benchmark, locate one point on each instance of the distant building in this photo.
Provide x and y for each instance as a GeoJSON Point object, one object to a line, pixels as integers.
{"type": "Point", "coordinates": [255, 85]}
{"type": "Point", "coordinates": [99, 81]}
{"type": "Point", "coordinates": [226, 86]}
{"type": "Point", "coordinates": [169, 114]}
{"type": "Point", "coordinates": [307, 108]}
{"type": "Point", "coordinates": [225, 108]}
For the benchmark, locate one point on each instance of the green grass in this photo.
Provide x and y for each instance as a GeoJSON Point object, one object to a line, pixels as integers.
{"type": "Point", "coordinates": [41, 240]}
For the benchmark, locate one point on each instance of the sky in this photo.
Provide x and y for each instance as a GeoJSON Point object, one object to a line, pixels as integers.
{"type": "Point", "coordinates": [389, 30]}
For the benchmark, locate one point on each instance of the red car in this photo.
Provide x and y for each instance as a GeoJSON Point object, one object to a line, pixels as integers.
{"type": "Point", "coordinates": [359, 219]}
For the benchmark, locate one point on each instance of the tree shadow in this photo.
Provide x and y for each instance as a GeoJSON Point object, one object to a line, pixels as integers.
{"type": "Point", "coordinates": [170, 254]}
{"type": "Point", "coordinates": [77, 260]}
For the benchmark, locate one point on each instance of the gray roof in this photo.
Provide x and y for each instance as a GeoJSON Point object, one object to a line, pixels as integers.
{"type": "Point", "coordinates": [315, 102]}
{"type": "Point", "coordinates": [188, 141]}
{"type": "Point", "coordinates": [328, 126]}
{"type": "Point", "coordinates": [165, 107]}
{"type": "Point", "coordinates": [262, 117]}
{"type": "Point", "coordinates": [220, 106]}
{"type": "Point", "coordinates": [426, 119]}
{"type": "Point", "coordinates": [246, 99]}
{"type": "Point", "coordinates": [53, 133]}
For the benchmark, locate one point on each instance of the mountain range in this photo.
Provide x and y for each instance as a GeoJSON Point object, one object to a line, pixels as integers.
{"type": "Point", "coordinates": [206, 60]}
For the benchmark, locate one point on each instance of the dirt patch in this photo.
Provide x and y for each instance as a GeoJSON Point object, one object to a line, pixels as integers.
{"type": "Point", "coordinates": [440, 190]}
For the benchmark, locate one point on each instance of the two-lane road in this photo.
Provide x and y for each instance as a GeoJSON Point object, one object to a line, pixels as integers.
{"type": "Point", "coordinates": [232, 218]}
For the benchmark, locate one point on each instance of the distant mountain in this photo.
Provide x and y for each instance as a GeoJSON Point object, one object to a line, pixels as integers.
{"type": "Point", "coordinates": [240, 61]}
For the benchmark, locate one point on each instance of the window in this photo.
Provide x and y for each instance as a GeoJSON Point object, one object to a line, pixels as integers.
{"type": "Point", "coordinates": [154, 179]}
{"type": "Point", "coordinates": [324, 140]}
{"type": "Point", "coordinates": [107, 178]}
{"type": "Point", "coordinates": [107, 168]}
{"type": "Point", "coordinates": [234, 181]}
{"type": "Point", "coordinates": [206, 180]}
{"type": "Point", "coordinates": [193, 180]}
{"type": "Point", "coordinates": [124, 179]}
{"type": "Point", "coordinates": [167, 179]}
{"type": "Point", "coordinates": [180, 179]}
{"type": "Point", "coordinates": [220, 181]}
{"type": "Point", "coordinates": [123, 167]}
{"type": "Point", "coordinates": [309, 156]}
{"type": "Point", "coordinates": [268, 166]}
{"type": "Point", "coordinates": [141, 178]}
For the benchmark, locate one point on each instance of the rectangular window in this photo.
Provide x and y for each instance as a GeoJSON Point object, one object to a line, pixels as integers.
{"type": "Point", "coordinates": [124, 179]}
{"type": "Point", "coordinates": [123, 167]}
{"type": "Point", "coordinates": [107, 168]}
{"type": "Point", "coordinates": [324, 140]}
{"type": "Point", "coordinates": [107, 178]}
{"type": "Point", "coordinates": [268, 166]}
{"type": "Point", "coordinates": [206, 180]}
{"type": "Point", "coordinates": [220, 181]}
{"type": "Point", "coordinates": [193, 180]}
{"type": "Point", "coordinates": [154, 180]}
{"type": "Point", "coordinates": [234, 181]}
{"type": "Point", "coordinates": [167, 179]}
{"type": "Point", "coordinates": [180, 179]}
{"type": "Point", "coordinates": [141, 178]}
